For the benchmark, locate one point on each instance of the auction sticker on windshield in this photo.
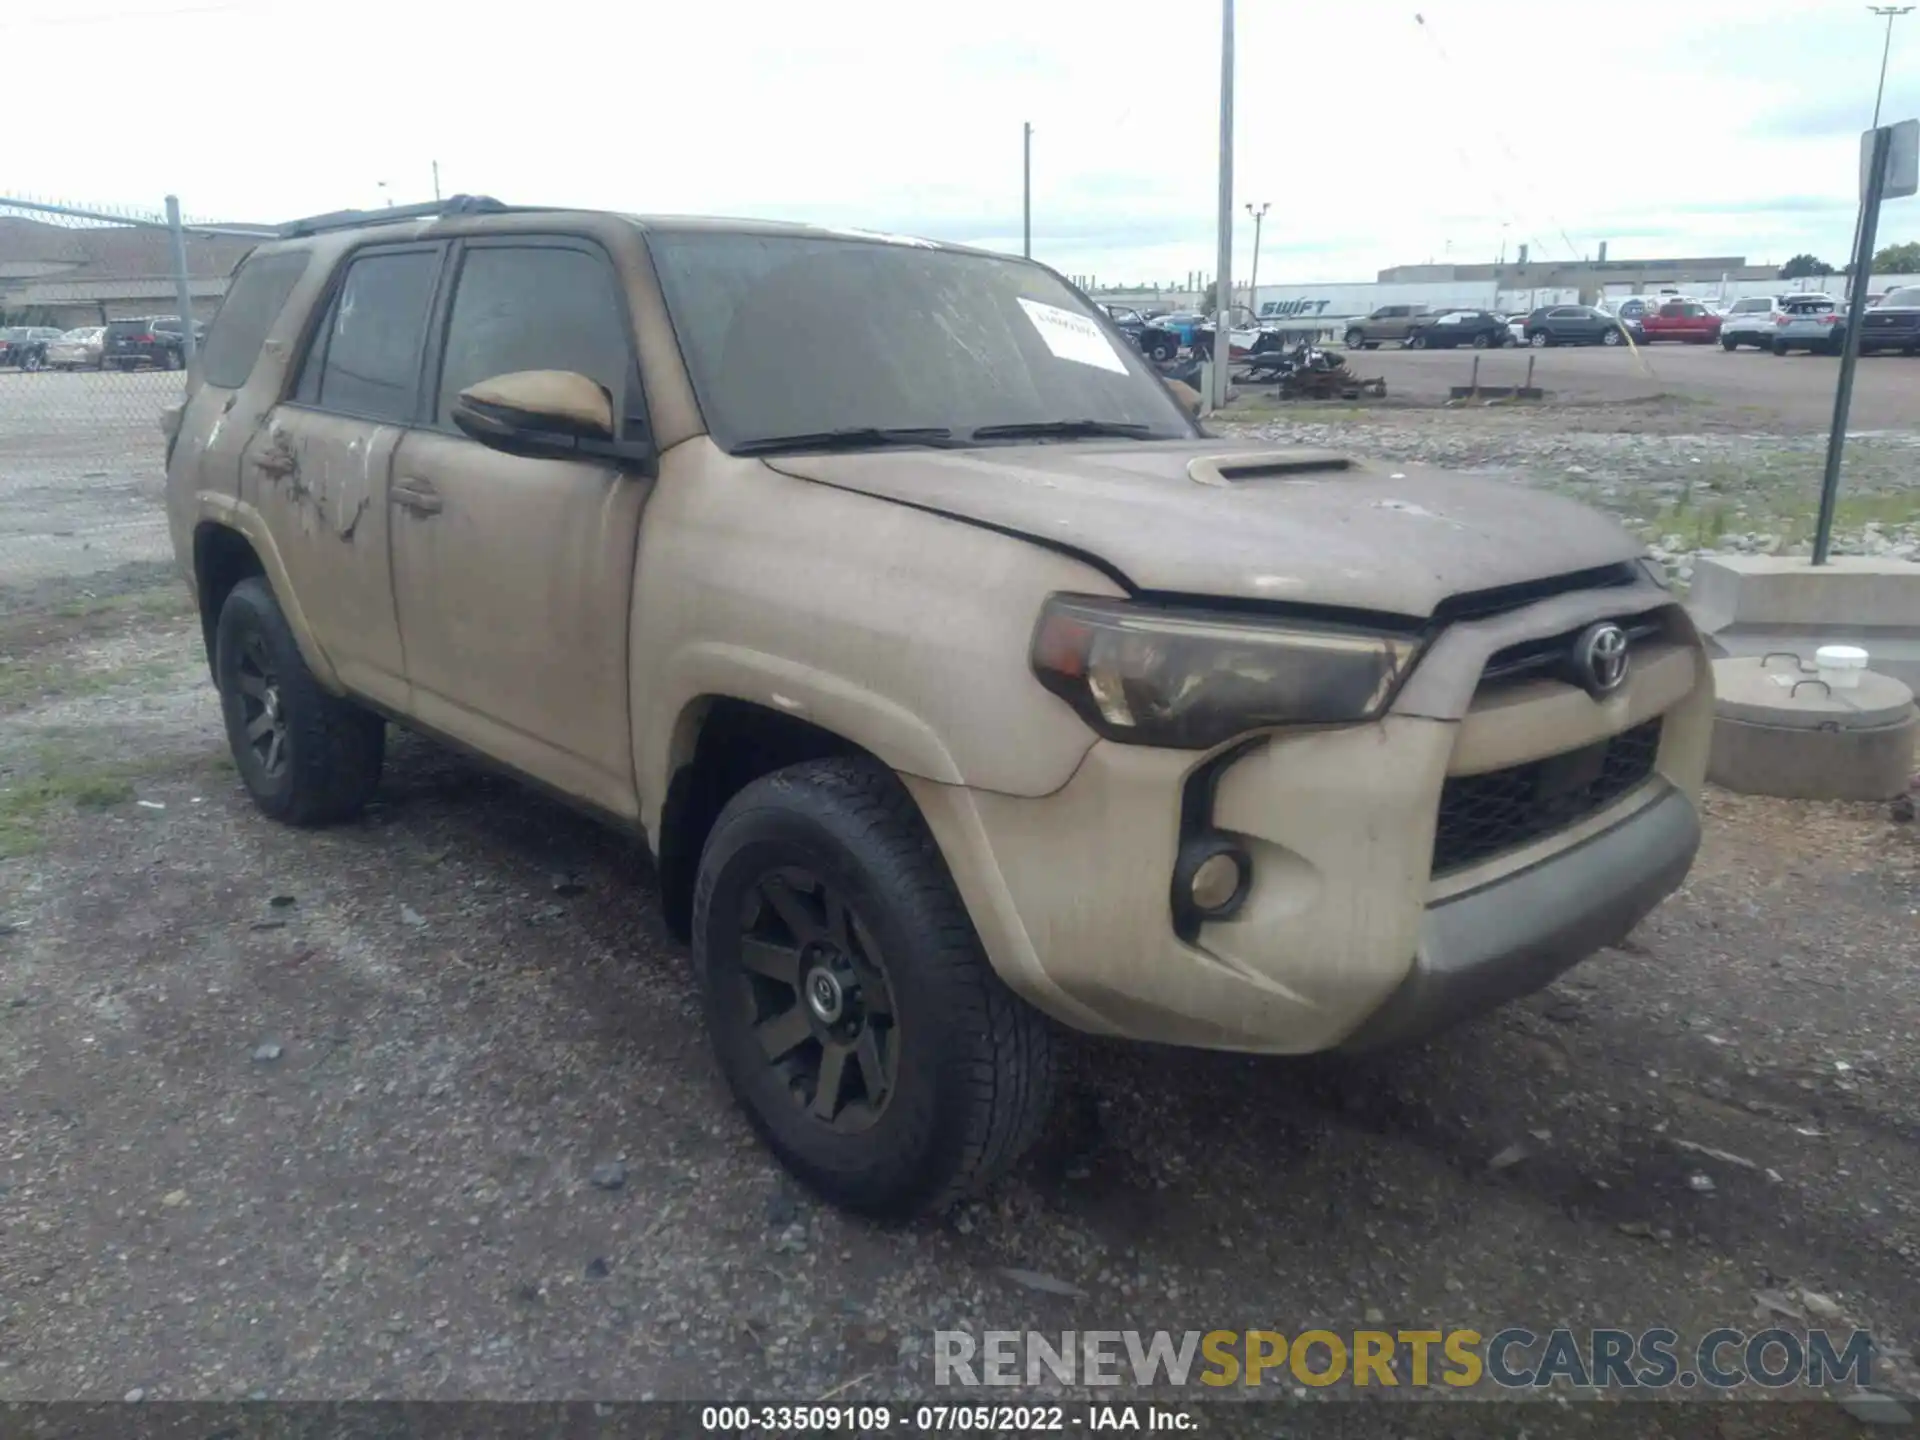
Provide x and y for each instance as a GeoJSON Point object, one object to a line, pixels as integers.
{"type": "Point", "coordinates": [1072, 337]}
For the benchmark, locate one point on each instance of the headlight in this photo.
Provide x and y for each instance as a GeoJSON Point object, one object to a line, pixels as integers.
{"type": "Point", "coordinates": [1192, 679]}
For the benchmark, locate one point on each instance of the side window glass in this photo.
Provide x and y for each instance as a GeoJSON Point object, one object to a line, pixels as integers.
{"type": "Point", "coordinates": [534, 308]}
{"type": "Point", "coordinates": [365, 360]}
{"type": "Point", "coordinates": [253, 303]}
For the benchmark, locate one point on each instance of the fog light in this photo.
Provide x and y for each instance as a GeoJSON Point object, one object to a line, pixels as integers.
{"type": "Point", "coordinates": [1210, 880]}
{"type": "Point", "coordinates": [1215, 883]}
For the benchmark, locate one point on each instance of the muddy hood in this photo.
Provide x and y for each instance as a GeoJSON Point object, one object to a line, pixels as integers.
{"type": "Point", "coordinates": [1261, 522]}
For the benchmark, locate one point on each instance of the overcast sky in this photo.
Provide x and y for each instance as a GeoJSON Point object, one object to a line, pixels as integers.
{"type": "Point", "coordinates": [1683, 127]}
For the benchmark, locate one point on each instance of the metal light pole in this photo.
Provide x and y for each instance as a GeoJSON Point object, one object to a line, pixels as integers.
{"type": "Point", "coordinates": [1253, 284]}
{"type": "Point", "coordinates": [1850, 345]}
{"type": "Point", "coordinates": [436, 179]}
{"type": "Point", "coordinates": [1892, 13]}
{"type": "Point", "coordinates": [1026, 190]}
{"type": "Point", "coordinates": [1223, 275]}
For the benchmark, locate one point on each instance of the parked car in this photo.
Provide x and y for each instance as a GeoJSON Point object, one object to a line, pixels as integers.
{"type": "Point", "coordinates": [1243, 338]}
{"type": "Point", "coordinates": [1894, 323]}
{"type": "Point", "coordinates": [1631, 308]}
{"type": "Point", "coordinates": [1156, 342]}
{"type": "Point", "coordinates": [1182, 323]}
{"type": "Point", "coordinates": [153, 340]}
{"type": "Point", "coordinates": [1074, 760]}
{"type": "Point", "coordinates": [1688, 321]}
{"type": "Point", "coordinates": [24, 347]}
{"type": "Point", "coordinates": [77, 349]}
{"type": "Point", "coordinates": [1576, 325]}
{"type": "Point", "coordinates": [1517, 329]}
{"type": "Point", "coordinates": [1451, 328]}
{"type": "Point", "coordinates": [1389, 322]}
{"type": "Point", "coordinates": [1751, 322]}
{"type": "Point", "coordinates": [1815, 324]}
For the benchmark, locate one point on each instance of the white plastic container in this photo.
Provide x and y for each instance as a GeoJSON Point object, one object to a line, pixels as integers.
{"type": "Point", "coordinates": [1841, 665]}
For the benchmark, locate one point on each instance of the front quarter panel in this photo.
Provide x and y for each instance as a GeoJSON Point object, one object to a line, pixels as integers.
{"type": "Point", "coordinates": [900, 630]}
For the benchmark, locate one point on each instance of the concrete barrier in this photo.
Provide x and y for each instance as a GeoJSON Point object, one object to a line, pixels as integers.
{"type": "Point", "coordinates": [1753, 604]}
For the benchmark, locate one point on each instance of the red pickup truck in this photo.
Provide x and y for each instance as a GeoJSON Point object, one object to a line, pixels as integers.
{"type": "Point", "coordinates": [1686, 320]}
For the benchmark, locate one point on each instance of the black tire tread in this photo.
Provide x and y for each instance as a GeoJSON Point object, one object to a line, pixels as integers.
{"type": "Point", "coordinates": [1006, 1060]}
{"type": "Point", "coordinates": [337, 747]}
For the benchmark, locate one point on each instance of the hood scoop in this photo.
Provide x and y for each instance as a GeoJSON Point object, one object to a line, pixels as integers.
{"type": "Point", "coordinates": [1228, 470]}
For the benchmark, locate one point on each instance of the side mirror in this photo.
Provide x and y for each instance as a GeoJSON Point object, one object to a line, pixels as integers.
{"type": "Point", "coordinates": [545, 414]}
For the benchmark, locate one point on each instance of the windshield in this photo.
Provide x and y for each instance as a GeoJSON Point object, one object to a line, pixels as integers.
{"type": "Point", "coordinates": [799, 335]}
{"type": "Point", "coordinates": [1907, 298]}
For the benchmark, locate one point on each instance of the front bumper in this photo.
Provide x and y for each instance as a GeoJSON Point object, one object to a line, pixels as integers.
{"type": "Point", "coordinates": [1511, 937]}
{"type": "Point", "coordinates": [1346, 935]}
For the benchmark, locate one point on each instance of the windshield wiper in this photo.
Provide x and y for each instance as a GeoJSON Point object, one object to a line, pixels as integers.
{"type": "Point", "coordinates": [1062, 429]}
{"type": "Point", "coordinates": [856, 437]}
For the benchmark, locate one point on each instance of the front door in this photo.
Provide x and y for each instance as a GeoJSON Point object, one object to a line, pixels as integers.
{"type": "Point", "coordinates": [514, 577]}
{"type": "Point", "coordinates": [317, 470]}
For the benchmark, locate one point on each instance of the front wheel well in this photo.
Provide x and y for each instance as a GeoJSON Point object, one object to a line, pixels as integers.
{"type": "Point", "coordinates": [222, 558]}
{"type": "Point", "coordinates": [737, 743]}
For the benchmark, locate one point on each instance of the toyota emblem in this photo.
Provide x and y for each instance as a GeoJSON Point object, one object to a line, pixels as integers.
{"type": "Point", "coordinates": [1600, 659]}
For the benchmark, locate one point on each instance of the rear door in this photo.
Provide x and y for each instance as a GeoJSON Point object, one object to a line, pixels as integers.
{"type": "Point", "coordinates": [318, 471]}
{"type": "Point", "coordinates": [514, 576]}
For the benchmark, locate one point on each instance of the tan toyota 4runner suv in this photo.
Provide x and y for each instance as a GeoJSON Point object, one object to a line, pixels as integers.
{"type": "Point", "coordinates": [957, 682]}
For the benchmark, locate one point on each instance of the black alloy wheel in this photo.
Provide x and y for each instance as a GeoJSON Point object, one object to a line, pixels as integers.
{"type": "Point", "coordinates": [818, 1000]}
{"type": "Point", "coordinates": [263, 714]}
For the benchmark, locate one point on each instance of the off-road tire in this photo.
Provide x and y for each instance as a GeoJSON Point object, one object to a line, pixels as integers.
{"type": "Point", "coordinates": [334, 749]}
{"type": "Point", "coordinates": [975, 1063]}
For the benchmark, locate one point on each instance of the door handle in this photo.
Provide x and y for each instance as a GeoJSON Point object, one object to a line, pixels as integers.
{"type": "Point", "coordinates": [417, 496]}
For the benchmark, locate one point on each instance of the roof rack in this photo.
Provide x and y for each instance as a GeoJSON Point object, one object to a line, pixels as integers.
{"type": "Point", "coordinates": [390, 215]}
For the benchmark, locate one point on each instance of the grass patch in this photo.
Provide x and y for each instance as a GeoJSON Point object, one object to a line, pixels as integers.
{"type": "Point", "coordinates": [25, 683]}
{"type": "Point", "coordinates": [161, 602]}
{"type": "Point", "coordinates": [60, 781]}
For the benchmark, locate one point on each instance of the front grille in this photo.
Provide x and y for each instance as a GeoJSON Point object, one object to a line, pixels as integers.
{"type": "Point", "coordinates": [1482, 815]}
{"type": "Point", "coordinates": [1553, 654]}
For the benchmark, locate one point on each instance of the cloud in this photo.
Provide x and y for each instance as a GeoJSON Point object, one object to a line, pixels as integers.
{"type": "Point", "coordinates": [1377, 140]}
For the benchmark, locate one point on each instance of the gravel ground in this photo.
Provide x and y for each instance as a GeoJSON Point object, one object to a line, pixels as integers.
{"type": "Point", "coordinates": [420, 1107]}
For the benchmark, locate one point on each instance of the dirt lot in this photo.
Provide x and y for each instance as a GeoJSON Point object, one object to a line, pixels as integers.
{"type": "Point", "coordinates": [1745, 390]}
{"type": "Point", "coordinates": [420, 1106]}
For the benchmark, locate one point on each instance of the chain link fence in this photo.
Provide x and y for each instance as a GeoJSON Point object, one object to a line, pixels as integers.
{"type": "Point", "coordinates": [91, 301]}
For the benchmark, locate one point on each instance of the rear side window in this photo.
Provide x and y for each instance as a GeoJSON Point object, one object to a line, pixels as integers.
{"type": "Point", "coordinates": [254, 301]}
{"type": "Point", "coordinates": [534, 307]}
{"type": "Point", "coordinates": [365, 360]}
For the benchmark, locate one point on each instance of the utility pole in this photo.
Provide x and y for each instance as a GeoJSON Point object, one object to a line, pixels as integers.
{"type": "Point", "coordinates": [1223, 275]}
{"type": "Point", "coordinates": [1253, 284]}
{"type": "Point", "coordinates": [436, 179]}
{"type": "Point", "coordinates": [1026, 190]}
{"type": "Point", "coordinates": [1892, 13]}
